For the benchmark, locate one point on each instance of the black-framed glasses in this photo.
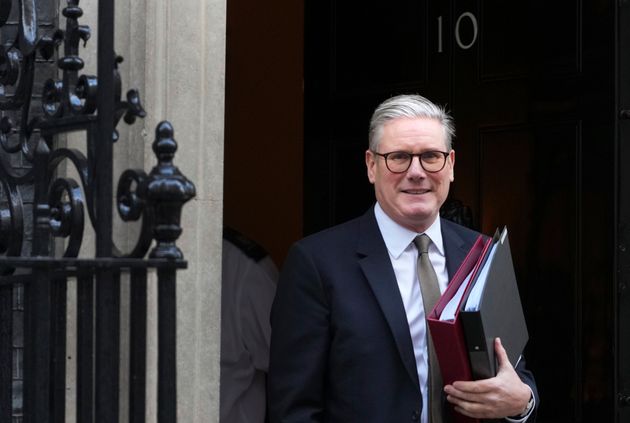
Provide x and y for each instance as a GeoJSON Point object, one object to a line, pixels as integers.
{"type": "Point", "coordinates": [400, 161]}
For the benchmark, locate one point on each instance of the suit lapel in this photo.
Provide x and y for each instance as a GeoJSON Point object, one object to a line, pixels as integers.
{"type": "Point", "coordinates": [376, 265]}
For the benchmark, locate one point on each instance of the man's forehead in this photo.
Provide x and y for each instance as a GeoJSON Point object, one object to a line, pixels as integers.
{"type": "Point", "coordinates": [414, 130]}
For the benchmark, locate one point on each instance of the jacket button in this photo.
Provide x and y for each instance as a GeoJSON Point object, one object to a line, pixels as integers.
{"type": "Point", "coordinates": [415, 416]}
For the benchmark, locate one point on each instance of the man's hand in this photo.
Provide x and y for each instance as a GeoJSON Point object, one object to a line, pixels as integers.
{"type": "Point", "coordinates": [498, 397]}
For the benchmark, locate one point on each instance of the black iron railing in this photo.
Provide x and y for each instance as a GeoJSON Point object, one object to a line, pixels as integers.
{"type": "Point", "coordinates": [61, 206]}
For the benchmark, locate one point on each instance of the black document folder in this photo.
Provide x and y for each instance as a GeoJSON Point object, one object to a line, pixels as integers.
{"type": "Point", "coordinates": [499, 312]}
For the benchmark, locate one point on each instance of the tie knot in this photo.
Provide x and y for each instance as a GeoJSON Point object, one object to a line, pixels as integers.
{"type": "Point", "coordinates": [422, 243]}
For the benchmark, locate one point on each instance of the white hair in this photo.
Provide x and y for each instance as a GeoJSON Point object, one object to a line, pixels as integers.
{"type": "Point", "coordinates": [409, 106]}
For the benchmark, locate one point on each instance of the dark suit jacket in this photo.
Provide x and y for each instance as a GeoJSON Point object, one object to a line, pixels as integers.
{"type": "Point", "coordinates": [340, 345]}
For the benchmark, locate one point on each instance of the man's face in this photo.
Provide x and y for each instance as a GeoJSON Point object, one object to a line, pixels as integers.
{"type": "Point", "coordinates": [413, 198]}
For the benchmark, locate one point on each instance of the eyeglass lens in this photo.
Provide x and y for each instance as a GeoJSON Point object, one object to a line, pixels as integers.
{"type": "Point", "coordinates": [400, 161]}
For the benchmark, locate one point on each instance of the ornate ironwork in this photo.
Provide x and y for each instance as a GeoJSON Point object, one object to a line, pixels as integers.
{"type": "Point", "coordinates": [62, 206]}
{"type": "Point", "coordinates": [69, 103]}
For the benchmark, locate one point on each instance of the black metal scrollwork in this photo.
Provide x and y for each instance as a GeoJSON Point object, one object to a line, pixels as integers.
{"type": "Point", "coordinates": [131, 204]}
{"type": "Point", "coordinates": [11, 221]}
{"type": "Point", "coordinates": [66, 213]}
{"type": "Point", "coordinates": [64, 199]}
{"type": "Point", "coordinates": [69, 103]}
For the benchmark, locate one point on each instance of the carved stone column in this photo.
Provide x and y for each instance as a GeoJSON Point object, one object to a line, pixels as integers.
{"type": "Point", "coordinates": [177, 61]}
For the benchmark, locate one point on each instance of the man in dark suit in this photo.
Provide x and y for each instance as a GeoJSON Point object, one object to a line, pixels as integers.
{"type": "Point", "coordinates": [349, 337]}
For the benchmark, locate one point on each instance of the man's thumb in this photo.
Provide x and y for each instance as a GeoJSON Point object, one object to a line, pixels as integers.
{"type": "Point", "coordinates": [501, 354]}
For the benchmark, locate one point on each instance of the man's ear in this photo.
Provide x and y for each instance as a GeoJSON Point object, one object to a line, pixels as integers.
{"type": "Point", "coordinates": [370, 164]}
{"type": "Point", "coordinates": [451, 156]}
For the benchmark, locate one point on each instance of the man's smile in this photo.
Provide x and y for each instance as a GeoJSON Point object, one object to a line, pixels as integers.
{"type": "Point", "coordinates": [416, 191]}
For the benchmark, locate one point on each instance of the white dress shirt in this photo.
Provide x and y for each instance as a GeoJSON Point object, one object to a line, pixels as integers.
{"type": "Point", "coordinates": [247, 292]}
{"type": "Point", "coordinates": [404, 257]}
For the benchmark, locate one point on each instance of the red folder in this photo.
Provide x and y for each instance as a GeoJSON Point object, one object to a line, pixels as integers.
{"type": "Point", "coordinates": [448, 336]}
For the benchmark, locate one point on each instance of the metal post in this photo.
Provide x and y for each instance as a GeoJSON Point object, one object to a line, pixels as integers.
{"type": "Point", "coordinates": [37, 349]}
{"type": "Point", "coordinates": [167, 361]}
{"type": "Point", "coordinates": [58, 353]}
{"type": "Point", "coordinates": [85, 349]}
{"type": "Point", "coordinates": [6, 356]}
{"type": "Point", "coordinates": [37, 296]}
{"type": "Point", "coordinates": [107, 285]}
{"type": "Point", "coordinates": [138, 346]}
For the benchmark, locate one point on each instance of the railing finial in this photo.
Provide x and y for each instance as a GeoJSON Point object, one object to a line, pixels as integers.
{"type": "Point", "coordinates": [167, 190]}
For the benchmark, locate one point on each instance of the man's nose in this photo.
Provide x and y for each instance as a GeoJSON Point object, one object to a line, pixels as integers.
{"type": "Point", "coordinates": [416, 169]}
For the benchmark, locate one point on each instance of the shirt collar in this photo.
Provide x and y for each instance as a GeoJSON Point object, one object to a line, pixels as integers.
{"type": "Point", "coordinates": [397, 238]}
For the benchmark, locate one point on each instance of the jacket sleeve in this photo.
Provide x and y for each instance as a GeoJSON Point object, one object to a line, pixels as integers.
{"type": "Point", "coordinates": [299, 342]}
{"type": "Point", "coordinates": [528, 378]}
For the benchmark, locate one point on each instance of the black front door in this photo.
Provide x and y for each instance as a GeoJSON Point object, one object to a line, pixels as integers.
{"type": "Point", "coordinates": [532, 88]}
